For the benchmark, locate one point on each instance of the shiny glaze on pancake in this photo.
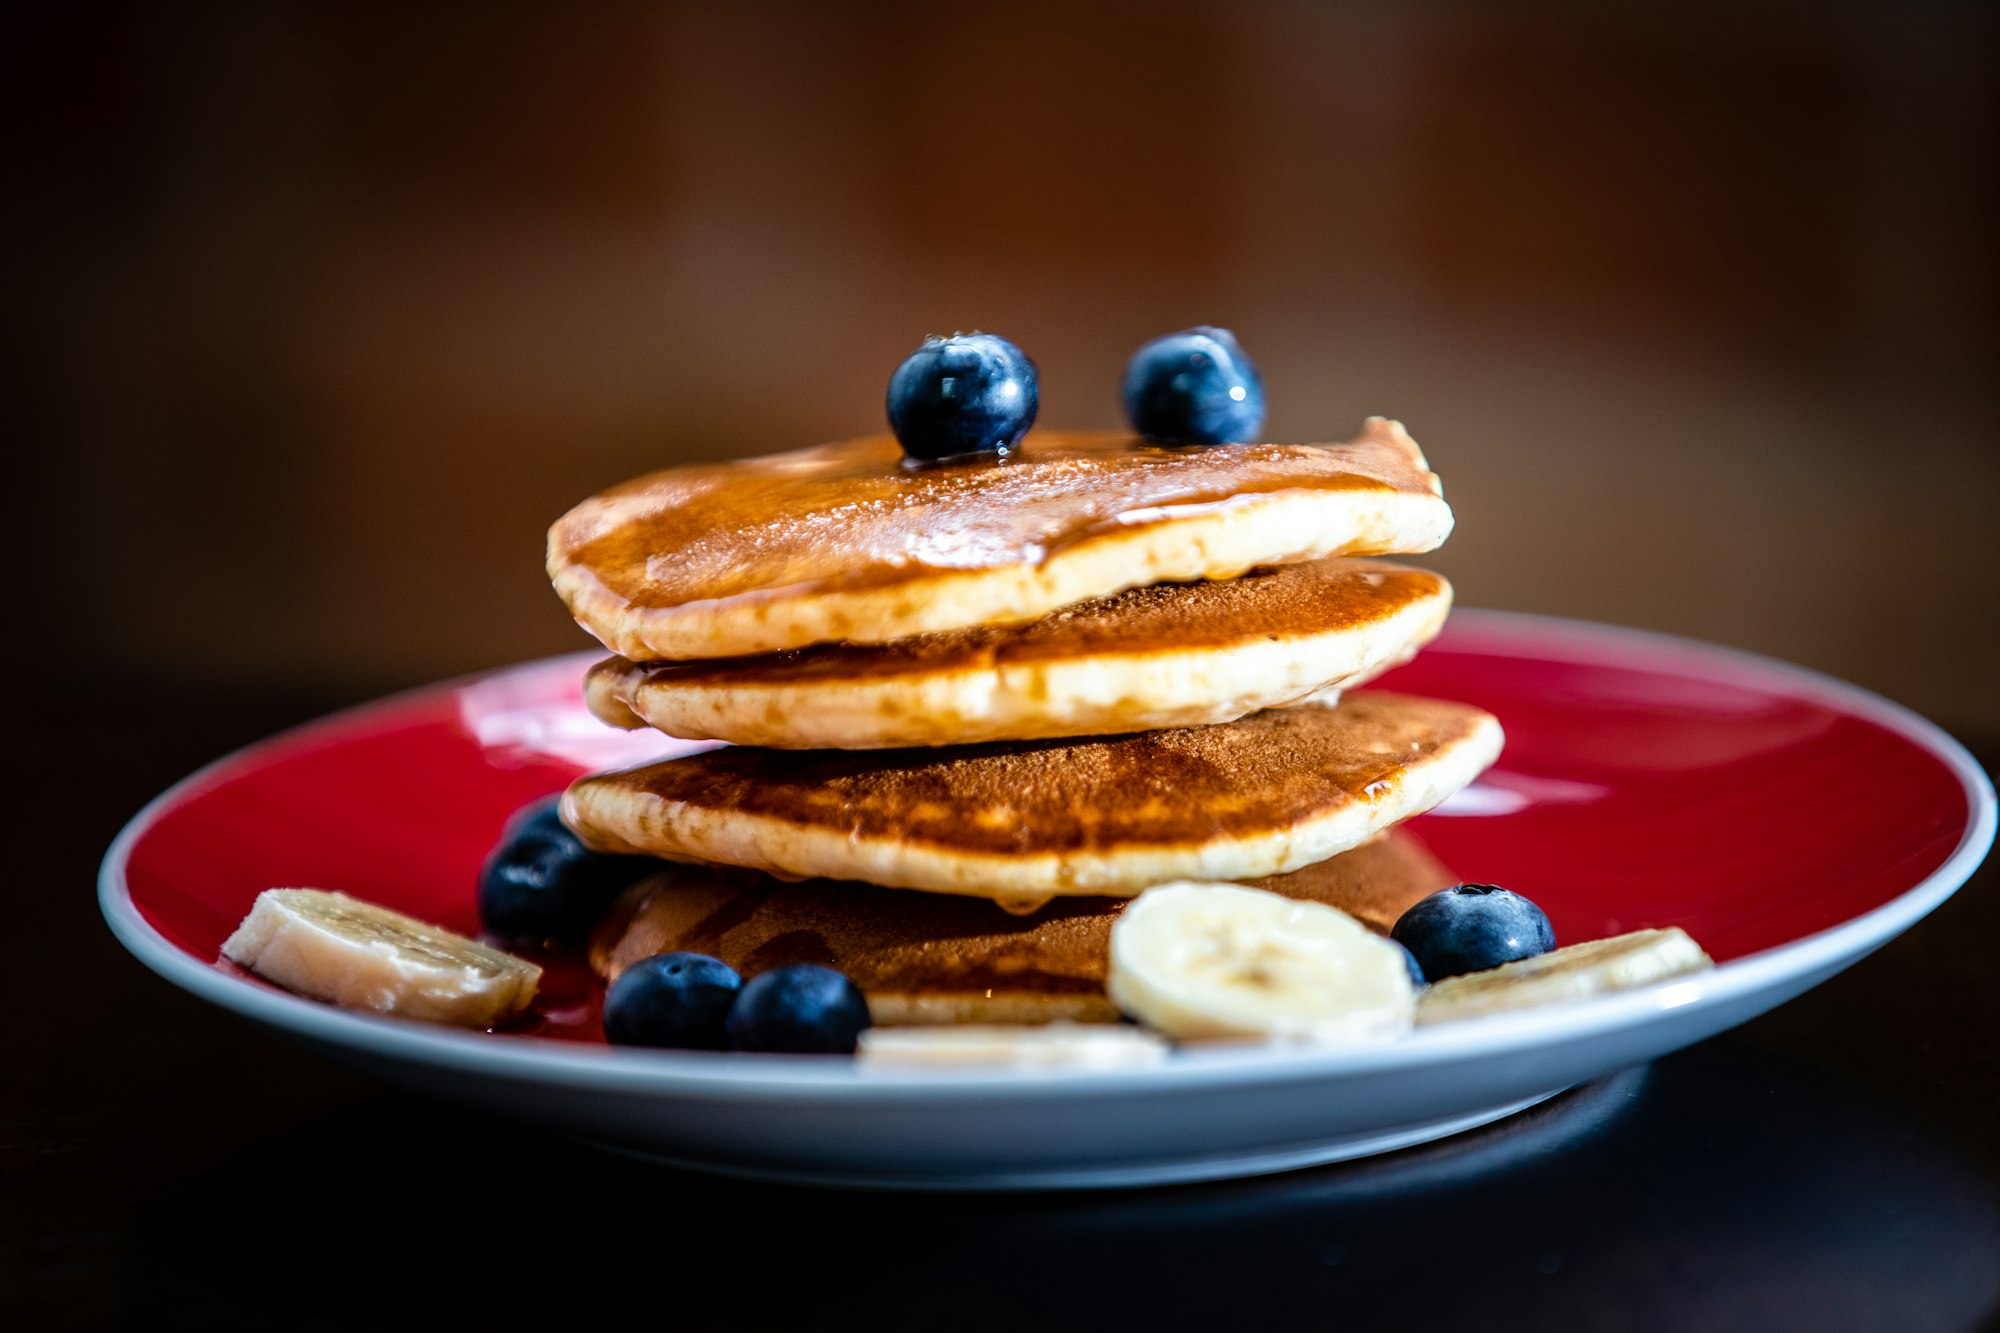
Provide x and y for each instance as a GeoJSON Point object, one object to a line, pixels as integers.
{"type": "Point", "coordinates": [1274, 603]}
{"type": "Point", "coordinates": [1258, 775]}
{"type": "Point", "coordinates": [854, 514]}
{"type": "Point", "coordinates": [932, 957]}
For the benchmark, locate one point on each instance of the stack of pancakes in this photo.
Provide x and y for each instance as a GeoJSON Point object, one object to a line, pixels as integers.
{"type": "Point", "coordinates": [975, 706]}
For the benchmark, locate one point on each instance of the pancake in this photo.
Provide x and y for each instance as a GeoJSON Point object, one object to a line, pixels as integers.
{"type": "Point", "coordinates": [928, 958]}
{"type": "Point", "coordinates": [1170, 655]}
{"type": "Point", "coordinates": [847, 543]}
{"type": "Point", "coordinates": [1023, 821]}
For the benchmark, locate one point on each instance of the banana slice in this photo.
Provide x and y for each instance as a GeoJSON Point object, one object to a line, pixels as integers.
{"type": "Point", "coordinates": [1221, 960]}
{"type": "Point", "coordinates": [1045, 1046]}
{"type": "Point", "coordinates": [1598, 967]}
{"type": "Point", "coordinates": [328, 946]}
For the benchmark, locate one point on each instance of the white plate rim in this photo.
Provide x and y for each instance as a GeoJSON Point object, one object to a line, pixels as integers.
{"type": "Point", "coordinates": [707, 1076]}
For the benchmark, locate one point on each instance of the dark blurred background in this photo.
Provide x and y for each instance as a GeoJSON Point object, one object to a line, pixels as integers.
{"type": "Point", "coordinates": [314, 316]}
{"type": "Point", "coordinates": [317, 315]}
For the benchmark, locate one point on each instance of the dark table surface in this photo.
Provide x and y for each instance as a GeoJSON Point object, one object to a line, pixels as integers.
{"type": "Point", "coordinates": [1833, 1165]}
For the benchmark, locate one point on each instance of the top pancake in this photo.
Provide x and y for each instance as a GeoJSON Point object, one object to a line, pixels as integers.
{"type": "Point", "coordinates": [847, 543]}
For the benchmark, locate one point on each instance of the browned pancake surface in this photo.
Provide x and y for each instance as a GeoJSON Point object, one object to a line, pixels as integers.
{"type": "Point", "coordinates": [1286, 602]}
{"type": "Point", "coordinates": [853, 515]}
{"type": "Point", "coordinates": [1257, 775]}
{"type": "Point", "coordinates": [894, 942]}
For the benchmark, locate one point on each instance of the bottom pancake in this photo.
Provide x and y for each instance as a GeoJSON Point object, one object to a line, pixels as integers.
{"type": "Point", "coordinates": [931, 958]}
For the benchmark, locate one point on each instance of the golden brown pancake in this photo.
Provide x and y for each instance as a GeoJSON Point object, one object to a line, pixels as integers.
{"type": "Point", "coordinates": [848, 543]}
{"type": "Point", "coordinates": [929, 958]}
{"type": "Point", "coordinates": [1020, 822]}
{"type": "Point", "coordinates": [1169, 655]}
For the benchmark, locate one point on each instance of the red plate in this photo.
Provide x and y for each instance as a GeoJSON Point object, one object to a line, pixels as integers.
{"type": "Point", "coordinates": [1788, 822]}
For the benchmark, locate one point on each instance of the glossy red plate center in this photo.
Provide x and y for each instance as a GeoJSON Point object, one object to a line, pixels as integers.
{"type": "Point", "coordinates": [1645, 782]}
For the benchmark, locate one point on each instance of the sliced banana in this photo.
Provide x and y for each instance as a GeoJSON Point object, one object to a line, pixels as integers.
{"type": "Point", "coordinates": [1598, 967]}
{"type": "Point", "coordinates": [1044, 1046]}
{"type": "Point", "coordinates": [1220, 960]}
{"type": "Point", "coordinates": [328, 946]}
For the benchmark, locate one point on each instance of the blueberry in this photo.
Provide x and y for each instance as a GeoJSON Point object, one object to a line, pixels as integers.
{"type": "Point", "coordinates": [541, 883]}
{"type": "Point", "coordinates": [971, 393]}
{"type": "Point", "coordinates": [671, 999]}
{"type": "Point", "coordinates": [804, 1008]}
{"type": "Point", "coordinates": [1471, 928]}
{"type": "Point", "coordinates": [1410, 961]}
{"type": "Point", "coordinates": [1194, 387]}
